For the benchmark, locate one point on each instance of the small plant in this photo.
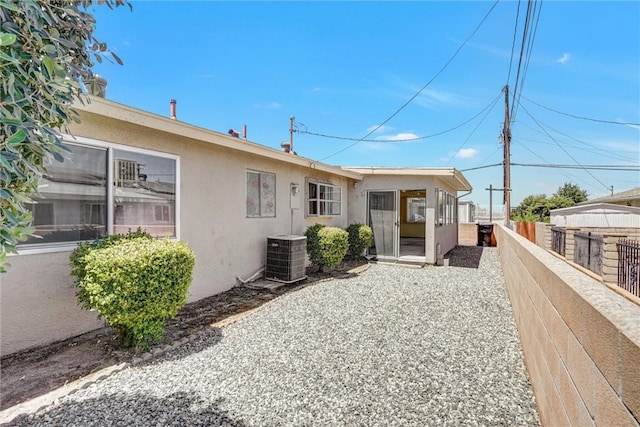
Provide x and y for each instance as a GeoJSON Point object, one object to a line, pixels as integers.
{"type": "Point", "coordinates": [135, 282]}
{"type": "Point", "coordinates": [360, 238]}
{"type": "Point", "coordinates": [326, 246]}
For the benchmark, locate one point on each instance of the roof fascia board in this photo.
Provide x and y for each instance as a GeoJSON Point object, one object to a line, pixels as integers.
{"type": "Point", "coordinates": [116, 111]}
{"type": "Point", "coordinates": [412, 171]}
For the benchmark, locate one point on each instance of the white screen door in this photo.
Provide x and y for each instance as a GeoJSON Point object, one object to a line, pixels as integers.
{"type": "Point", "coordinates": [383, 220]}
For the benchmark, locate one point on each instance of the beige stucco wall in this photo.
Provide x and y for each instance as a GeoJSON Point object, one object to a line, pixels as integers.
{"type": "Point", "coordinates": [38, 301]}
{"type": "Point", "coordinates": [581, 340]}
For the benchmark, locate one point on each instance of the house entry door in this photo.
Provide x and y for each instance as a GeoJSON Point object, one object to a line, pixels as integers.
{"type": "Point", "coordinates": [383, 220]}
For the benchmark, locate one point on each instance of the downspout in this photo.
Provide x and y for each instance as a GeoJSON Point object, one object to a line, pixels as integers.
{"type": "Point", "coordinates": [465, 194]}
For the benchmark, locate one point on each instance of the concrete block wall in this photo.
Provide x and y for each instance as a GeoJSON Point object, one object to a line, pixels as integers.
{"type": "Point", "coordinates": [581, 340]}
{"type": "Point", "coordinates": [543, 235]}
{"type": "Point", "coordinates": [467, 234]}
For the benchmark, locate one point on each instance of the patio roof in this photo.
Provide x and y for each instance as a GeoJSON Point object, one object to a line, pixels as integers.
{"type": "Point", "coordinates": [451, 176]}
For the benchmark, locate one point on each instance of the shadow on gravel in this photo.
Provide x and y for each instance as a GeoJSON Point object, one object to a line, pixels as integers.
{"type": "Point", "coordinates": [465, 256]}
{"type": "Point", "coordinates": [38, 370]}
{"type": "Point", "coordinates": [117, 410]}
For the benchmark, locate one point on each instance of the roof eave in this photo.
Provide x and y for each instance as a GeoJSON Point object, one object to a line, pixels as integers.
{"type": "Point", "coordinates": [116, 111]}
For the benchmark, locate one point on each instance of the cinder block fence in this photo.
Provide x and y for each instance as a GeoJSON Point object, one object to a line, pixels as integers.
{"type": "Point", "coordinates": [581, 340]}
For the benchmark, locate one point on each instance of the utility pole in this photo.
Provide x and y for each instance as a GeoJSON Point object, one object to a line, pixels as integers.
{"type": "Point", "coordinates": [506, 137]}
{"type": "Point", "coordinates": [491, 190]}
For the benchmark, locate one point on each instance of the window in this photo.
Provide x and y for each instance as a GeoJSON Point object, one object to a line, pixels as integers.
{"type": "Point", "coordinates": [162, 213]}
{"type": "Point", "coordinates": [416, 209]}
{"type": "Point", "coordinates": [261, 194]}
{"type": "Point", "coordinates": [323, 199]}
{"type": "Point", "coordinates": [446, 212]}
{"type": "Point", "coordinates": [75, 196]}
{"type": "Point", "coordinates": [144, 192]}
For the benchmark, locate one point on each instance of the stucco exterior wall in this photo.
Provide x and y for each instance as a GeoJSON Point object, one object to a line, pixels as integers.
{"type": "Point", "coordinates": [38, 301]}
{"type": "Point", "coordinates": [581, 340]}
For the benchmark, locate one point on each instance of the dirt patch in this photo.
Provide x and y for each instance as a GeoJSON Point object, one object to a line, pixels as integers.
{"type": "Point", "coordinates": [36, 371]}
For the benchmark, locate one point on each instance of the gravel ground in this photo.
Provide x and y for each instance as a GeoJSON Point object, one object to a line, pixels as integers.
{"type": "Point", "coordinates": [392, 346]}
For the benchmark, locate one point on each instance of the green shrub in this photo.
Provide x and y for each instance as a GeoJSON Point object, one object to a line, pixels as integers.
{"type": "Point", "coordinates": [326, 246]}
{"type": "Point", "coordinates": [360, 238]}
{"type": "Point", "coordinates": [334, 243]}
{"type": "Point", "coordinates": [136, 284]}
{"type": "Point", "coordinates": [313, 244]}
{"type": "Point", "coordinates": [78, 263]}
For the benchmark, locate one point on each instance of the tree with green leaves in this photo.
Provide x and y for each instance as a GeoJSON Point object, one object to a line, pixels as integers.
{"type": "Point", "coordinates": [47, 50]}
{"type": "Point", "coordinates": [538, 207]}
{"type": "Point", "coordinates": [572, 192]}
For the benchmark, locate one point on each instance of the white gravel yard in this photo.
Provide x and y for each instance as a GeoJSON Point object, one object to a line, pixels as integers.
{"type": "Point", "coordinates": [392, 346]}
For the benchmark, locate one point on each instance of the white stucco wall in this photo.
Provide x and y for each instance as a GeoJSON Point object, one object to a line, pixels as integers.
{"type": "Point", "coordinates": [38, 299]}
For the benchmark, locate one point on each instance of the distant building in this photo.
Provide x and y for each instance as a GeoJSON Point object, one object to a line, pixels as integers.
{"type": "Point", "coordinates": [624, 198]}
{"type": "Point", "coordinates": [466, 211]}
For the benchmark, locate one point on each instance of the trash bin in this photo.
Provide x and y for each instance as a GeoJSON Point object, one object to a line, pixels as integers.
{"type": "Point", "coordinates": [484, 234]}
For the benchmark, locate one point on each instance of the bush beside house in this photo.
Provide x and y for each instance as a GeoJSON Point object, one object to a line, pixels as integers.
{"type": "Point", "coordinates": [326, 246]}
{"type": "Point", "coordinates": [135, 282]}
{"type": "Point", "coordinates": [360, 238]}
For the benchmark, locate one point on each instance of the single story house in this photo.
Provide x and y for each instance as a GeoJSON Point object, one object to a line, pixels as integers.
{"type": "Point", "coordinates": [599, 215]}
{"type": "Point", "coordinates": [624, 198]}
{"type": "Point", "coordinates": [221, 194]}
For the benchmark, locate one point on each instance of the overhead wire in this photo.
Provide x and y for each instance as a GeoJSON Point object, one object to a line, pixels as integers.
{"type": "Point", "coordinates": [474, 130]}
{"type": "Point", "coordinates": [528, 38]}
{"type": "Point", "coordinates": [421, 89]}
{"type": "Point", "coordinates": [581, 117]}
{"type": "Point", "coordinates": [592, 148]}
{"type": "Point", "coordinates": [562, 148]}
{"type": "Point", "coordinates": [557, 166]}
{"type": "Point", "coordinates": [513, 43]}
{"type": "Point", "coordinates": [489, 107]}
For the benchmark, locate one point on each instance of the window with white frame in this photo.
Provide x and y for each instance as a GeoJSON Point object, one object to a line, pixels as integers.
{"type": "Point", "coordinates": [323, 199]}
{"type": "Point", "coordinates": [261, 194]}
{"type": "Point", "coordinates": [446, 210]}
{"type": "Point", "coordinates": [74, 195]}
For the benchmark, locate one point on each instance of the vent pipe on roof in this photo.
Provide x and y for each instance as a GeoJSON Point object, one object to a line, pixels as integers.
{"type": "Point", "coordinates": [244, 132]}
{"type": "Point", "coordinates": [173, 109]}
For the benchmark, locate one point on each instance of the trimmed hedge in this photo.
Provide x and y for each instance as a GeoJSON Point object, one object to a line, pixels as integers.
{"type": "Point", "coordinates": [136, 283]}
{"type": "Point", "coordinates": [360, 238]}
{"type": "Point", "coordinates": [326, 246]}
{"type": "Point", "coordinates": [314, 251]}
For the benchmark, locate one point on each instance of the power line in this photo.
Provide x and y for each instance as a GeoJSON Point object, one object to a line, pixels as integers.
{"type": "Point", "coordinates": [619, 168]}
{"type": "Point", "coordinates": [590, 167]}
{"type": "Point", "coordinates": [474, 129]}
{"type": "Point", "coordinates": [562, 148]}
{"type": "Point", "coordinates": [581, 117]}
{"type": "Point", "coordinates": [601, 151]}
{"type": "Point", "coordinates": [528, 38]}
{"type": "Point", "coordinates": [358, 140]}
{"type": "Point", "coordinates": [513, 43]}
{"type": "Point", "coordinates": [422, 89]}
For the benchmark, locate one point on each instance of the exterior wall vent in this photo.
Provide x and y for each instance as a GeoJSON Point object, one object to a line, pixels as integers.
{"type": "Point", "coordinates": [286, 258]}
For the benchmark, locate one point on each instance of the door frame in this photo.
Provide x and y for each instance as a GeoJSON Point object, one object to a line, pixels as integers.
{"type": "Point", "coordinates": [395, 228]}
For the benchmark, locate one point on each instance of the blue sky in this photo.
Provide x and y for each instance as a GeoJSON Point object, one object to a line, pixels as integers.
{"type": "Point", "coordinates": [344, 68]}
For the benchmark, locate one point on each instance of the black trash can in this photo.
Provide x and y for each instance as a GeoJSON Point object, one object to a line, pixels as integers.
{"type": "Point", "coordinates": [484, 234]}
